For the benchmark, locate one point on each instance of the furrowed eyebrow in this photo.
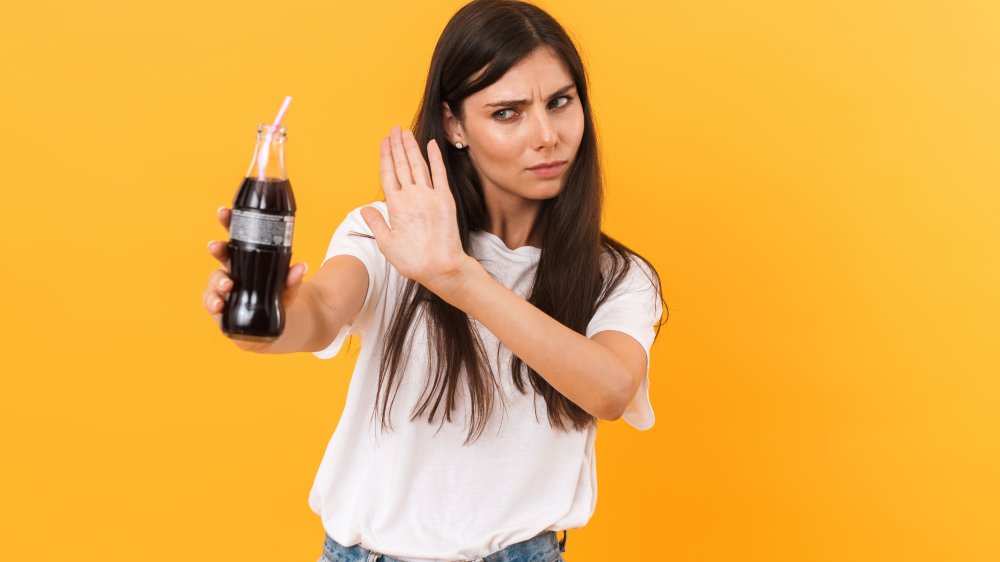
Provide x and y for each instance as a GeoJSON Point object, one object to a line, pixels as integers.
{"type": "Point", "coordinates": [515, 103]}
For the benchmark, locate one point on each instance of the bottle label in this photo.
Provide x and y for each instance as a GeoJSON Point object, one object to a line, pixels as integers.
{"type": "Point", "coordinates": [255, 227]}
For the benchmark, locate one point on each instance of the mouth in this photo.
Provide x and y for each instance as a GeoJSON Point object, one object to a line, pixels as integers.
{"type": "Point", "coordinates": [552, 164]}
{"type": "Point", "coordinates": [548, 169]}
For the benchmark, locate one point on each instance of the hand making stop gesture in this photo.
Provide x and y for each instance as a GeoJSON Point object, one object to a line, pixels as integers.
{"type": "Point", "coordinates": [423, 243]}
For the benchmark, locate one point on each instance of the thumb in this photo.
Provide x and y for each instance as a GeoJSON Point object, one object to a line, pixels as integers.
{"type": "Point", "coordinates": [295, 274]}
{"type": "Point", "coordinates": [294, 281]}
{"type": "Point", "coordinates": [376, 222]}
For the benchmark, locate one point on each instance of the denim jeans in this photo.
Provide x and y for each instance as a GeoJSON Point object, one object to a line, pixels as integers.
{"type": "Point", "coordinates": [542, 548]}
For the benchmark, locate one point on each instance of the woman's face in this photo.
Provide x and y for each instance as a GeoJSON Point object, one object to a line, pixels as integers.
{"type": "Point", "coordinates": [531, 116]}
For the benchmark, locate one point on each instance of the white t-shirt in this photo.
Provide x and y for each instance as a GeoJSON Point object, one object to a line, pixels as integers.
{"type": "Point", "coordinates": [423, 497]}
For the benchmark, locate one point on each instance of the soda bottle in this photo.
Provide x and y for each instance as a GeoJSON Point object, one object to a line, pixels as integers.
{"type": "Point", "coordinates": [260, 243]}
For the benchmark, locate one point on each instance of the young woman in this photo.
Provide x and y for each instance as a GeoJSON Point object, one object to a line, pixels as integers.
{"type": "Point", "coordinates": [498, 322]}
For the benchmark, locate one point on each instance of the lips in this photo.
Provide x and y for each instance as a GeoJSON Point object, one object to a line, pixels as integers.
{"type": "Point", "coordinates": [548, 170]}
{"type": "Point", "coordinates": [551, 164]}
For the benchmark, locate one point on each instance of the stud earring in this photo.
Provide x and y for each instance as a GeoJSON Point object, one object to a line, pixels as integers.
{"type": "Point", "coordinates": [458, 145]}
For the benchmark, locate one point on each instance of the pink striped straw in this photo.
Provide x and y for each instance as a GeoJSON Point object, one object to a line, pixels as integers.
{"type": "Point", "coordinates": [281, 115]}
{"type": "Point", "coordinates": [265, 149]}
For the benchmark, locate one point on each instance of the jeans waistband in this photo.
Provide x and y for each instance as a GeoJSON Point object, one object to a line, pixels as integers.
{"type": "Point", "coordinates": [543, 547]}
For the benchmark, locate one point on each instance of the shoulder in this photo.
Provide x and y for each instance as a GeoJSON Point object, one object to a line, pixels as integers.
{"type": "Point", "coordinates": [626, 267]}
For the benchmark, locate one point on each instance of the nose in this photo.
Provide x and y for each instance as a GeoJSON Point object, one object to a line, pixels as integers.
{"type": "Point", "coordinates": [545, 134]}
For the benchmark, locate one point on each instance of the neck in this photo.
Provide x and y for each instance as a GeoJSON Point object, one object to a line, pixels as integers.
{"type": "Point", "coordinates": [513, 219]}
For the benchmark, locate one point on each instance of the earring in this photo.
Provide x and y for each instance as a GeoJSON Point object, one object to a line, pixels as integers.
{"type": "Point", "coordinates": [458, 145]}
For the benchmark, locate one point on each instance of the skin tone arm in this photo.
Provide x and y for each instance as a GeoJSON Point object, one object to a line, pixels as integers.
{"type": "Point", "coordinates": [600, 375]}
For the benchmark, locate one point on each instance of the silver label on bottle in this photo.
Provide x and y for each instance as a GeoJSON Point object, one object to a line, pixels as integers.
{"type": "Point", "coordinates": [261, 228]}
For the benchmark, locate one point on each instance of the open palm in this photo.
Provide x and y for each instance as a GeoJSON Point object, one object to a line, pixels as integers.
{"type": "Point", "coordinates": [423, 243]}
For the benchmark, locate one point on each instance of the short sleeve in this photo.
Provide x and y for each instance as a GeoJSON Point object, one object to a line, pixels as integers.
{"type": "Point", "coordinates": [633, 308]}
{"type": "Point", "coordinates": [343, 243]}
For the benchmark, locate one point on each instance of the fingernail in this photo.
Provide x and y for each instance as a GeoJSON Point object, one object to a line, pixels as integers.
{"type": "Point", "coordinates": [217, 303]}
{"type": "Point", "coordinates": [223, 283]}
{"type": "Point", "coordinates": [305, 268]}
{"type": "Point", "coordinates": [219, 210]}
{"type": "Point", "coordinates": [211, 245]}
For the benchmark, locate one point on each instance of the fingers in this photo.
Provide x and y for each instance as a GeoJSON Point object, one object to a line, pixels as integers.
{"type": "Point", "coordinates": [295, 274]}
{"type": "Point", "coordinates": [224, 215]}
{"type": "Point", "coordinates": [438, 171]}
{"type": "Point", "coordinates": [293, 282]}
{"type": "Point", "coordinates": [217, 291]}
{"type": "Point", "coordinates": [219, 251]}
{"type": "Point", "coordinates": [219, 283]}
{"type": "Point", "coordinates": [402, 163]}
{"type": "Point", "coordinates": [376, 222]}
{"type": "Point", "coordinates": [417, 165]}
{"type": "Point", "coordinates": [389, 182]}
{"type": "Point", "coordinates": [399, 161]}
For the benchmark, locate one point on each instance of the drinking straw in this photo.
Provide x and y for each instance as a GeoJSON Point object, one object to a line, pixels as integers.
{"type": "Point", "coordinates": [265, 149]}
{"type": "Point", "coordinates": [281, 115]}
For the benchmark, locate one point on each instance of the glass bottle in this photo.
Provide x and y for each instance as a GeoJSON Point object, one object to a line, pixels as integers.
{"type": "Point", "coordinates": [260, 243]}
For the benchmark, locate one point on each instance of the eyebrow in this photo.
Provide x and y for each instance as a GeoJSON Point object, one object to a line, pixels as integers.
{"type": "Point", "coordinates": [557, 93]}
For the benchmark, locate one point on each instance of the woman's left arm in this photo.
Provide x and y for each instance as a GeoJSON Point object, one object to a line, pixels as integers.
{"type": "Point", "coordinates": [600, 375]}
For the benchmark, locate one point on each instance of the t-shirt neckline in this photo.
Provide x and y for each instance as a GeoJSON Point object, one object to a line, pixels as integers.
{"type": "Point", "coordinates": [500, 245]}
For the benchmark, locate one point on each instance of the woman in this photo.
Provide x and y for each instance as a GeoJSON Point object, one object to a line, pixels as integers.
{"type": "Point", "coordinates": [482, 279]}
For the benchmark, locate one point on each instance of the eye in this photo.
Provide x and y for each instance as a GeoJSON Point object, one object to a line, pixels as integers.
{"type": "Point", "coordinates": [498, 117]}
{"type": "Point", "coordinates": [560, 106]}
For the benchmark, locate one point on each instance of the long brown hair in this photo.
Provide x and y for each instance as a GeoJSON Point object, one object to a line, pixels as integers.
{"type": "Point", "coordinates": [481, 42]}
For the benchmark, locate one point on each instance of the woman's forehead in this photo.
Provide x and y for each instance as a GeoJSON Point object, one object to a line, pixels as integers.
{"type": "Point", "coordinates": [541, 73]}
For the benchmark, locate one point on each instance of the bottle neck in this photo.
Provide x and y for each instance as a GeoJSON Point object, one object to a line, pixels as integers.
{"type": "Point", "coordinates": [269, 154]}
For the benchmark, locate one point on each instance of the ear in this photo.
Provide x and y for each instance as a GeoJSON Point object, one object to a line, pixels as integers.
{"type": "Point", "coordinates": [452, 125]}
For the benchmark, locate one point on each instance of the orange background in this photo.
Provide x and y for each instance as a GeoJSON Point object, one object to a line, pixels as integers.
{"type": "Point", "coordinates": [817, 186]}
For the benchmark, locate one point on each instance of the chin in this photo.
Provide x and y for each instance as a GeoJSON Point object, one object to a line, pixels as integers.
{"type": "Point", "coordinates": [551, 193]}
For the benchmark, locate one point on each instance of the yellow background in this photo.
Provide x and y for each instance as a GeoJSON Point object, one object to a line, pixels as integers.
{"type": "Point", "coordinates": [817, 185]}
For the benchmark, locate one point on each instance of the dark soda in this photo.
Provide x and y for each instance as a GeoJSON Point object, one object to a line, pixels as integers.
{"type": "Point", "coordinates": [260, 251]}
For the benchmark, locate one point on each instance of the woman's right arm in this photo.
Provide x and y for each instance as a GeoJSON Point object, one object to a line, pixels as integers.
{"type": "Point", "coordinates": [327, 302]}
{"type": "Point", "coordinates": [315, 310]}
